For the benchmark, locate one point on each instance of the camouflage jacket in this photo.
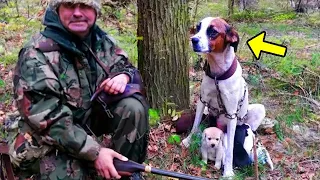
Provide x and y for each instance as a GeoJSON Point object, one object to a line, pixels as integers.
{"type": "Point", "coordinates": [53, 89]}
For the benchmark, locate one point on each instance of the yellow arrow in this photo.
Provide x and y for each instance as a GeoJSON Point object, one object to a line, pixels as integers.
{"type": "Point", "coordinates": [257, 44]}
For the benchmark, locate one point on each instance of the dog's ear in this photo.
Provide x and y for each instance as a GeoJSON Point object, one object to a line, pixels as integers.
{"type": "Point", "coordinates": [192, 31]}
{"type": "Point", "coordinates": [232, 37]}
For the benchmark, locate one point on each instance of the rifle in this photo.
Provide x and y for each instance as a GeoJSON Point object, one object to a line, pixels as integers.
{"type": "Point", "coordinates": [128, 167]}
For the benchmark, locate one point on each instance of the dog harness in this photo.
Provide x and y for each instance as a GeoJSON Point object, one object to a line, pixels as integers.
{"type": "Point", "coordinates": [222, 109]}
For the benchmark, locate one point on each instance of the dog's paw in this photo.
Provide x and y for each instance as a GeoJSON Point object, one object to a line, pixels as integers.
{"type": "Point", "coordinates": [185, 142]}
{"type": "Point", "coordinates": [227, 174]}
{"type": "Point", "coordinates": [217, 166]}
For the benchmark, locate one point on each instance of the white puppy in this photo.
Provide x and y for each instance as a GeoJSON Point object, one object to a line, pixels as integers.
{"type": "Point", "coordinates": [211, 146]}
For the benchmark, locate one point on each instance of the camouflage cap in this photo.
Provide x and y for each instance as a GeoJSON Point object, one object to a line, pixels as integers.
{"type": "Point", "coordinates": [96, 4]}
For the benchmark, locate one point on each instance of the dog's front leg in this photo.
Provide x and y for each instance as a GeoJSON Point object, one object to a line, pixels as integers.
{"type": "Point", "coordinates": [196, 123]}
{"type": "Point", "coordinates": [231, 128]}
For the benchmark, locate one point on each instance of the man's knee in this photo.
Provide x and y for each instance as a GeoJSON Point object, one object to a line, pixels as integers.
{"type": "Point", "coordinates": [133, 109]}
{"type": "Point", "coordinates": [131, 104]}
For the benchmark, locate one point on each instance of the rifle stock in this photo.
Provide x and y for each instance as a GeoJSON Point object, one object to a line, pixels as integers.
{"type": "Point", "coordinates": [129, 167]}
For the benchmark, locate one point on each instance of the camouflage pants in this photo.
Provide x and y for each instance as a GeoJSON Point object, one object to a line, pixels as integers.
{"type": "Point", "coordinates": [129, 129]}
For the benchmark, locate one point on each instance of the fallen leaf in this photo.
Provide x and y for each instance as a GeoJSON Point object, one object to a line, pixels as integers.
{"type": "Point", "coordinates": [269, 131]}
{"type": "Point", "coordinates": [176, 117]}
{"type": "Point", "coordinates": [167, 127]}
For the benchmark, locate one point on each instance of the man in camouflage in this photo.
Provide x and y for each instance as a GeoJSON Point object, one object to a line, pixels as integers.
{"type": "Point", "coordinates": [54, 79]}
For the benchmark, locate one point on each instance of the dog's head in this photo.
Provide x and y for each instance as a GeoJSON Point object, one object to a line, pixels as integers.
{"type": "Point", "coordinates": [213, 35]}
{"type": "Point", "coordinates": [212, 136]}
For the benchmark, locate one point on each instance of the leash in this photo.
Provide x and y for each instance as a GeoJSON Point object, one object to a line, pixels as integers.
{"type": "Point", "coordinates": [255, 158]}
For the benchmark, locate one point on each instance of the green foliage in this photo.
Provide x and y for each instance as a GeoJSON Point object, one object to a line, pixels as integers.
{"type": "Point", "coordinates": [5, 98]}
{"type": "Point", "coordinates": [256, 95]}
{"type": "Point", "coordinates": [250, 16]}
{"type": "Point", "coordinates": [2, 83]}
{"type": "Point", "coordinates": [174, 139]}
{"type": "Point", "coordinates": [279, 131]}
{"type": "Point", "coordinates": [288, 66]}
{"type": "Point", "coordinates": [315, 60]}
{"type": "Point", "coordinates": [207, 8]}
{"type": "Point", "coordinates": [1, 49]}
{"type": "Point", "coordinates": [10, 58]}
{"type": "Point", "coordinates": [254, 79]}
{"type": "Point", "coordinates": [251, 29]}
{"type": "Point", "coordinates": [194, 149]}
{"type": "Point", "coordinates": [169, 109]}
{"type": "Point", "coordinates": [154, 117]}
{"type": "Point", "coordinates": [295, 114]}
{"type": "Point", "coordinates": [284, 16]}
{"type": "Point", "coordinates": [195, 145]}
{"type": "Point", "coordinates": [313, 20]}
{"type": "Point", "coordinates": [248, 171]}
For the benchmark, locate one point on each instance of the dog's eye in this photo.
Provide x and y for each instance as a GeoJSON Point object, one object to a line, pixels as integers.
{"type": "Point", "coordinates": [198, 27]}
{"type": "Point", "coordinates": [217, 139]}
{"type": "Point", "coordinates": [209, 139]}
{"type": "Point", "coordinates": [212, 33]}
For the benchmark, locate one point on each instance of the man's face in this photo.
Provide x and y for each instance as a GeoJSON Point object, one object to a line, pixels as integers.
{"type": "Point", "coordinates": [77, 18]}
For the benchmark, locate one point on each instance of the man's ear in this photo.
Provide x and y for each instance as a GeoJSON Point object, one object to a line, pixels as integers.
{"type": "Point", "coordinates": [232, 37]}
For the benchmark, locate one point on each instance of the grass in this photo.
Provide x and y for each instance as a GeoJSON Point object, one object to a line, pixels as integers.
{"type": "Point", "coordinates": [206, 8]}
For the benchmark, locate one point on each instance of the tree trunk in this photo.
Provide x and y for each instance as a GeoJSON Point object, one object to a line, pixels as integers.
{"type": "Point", "coordinates": [17, 8]}
{"type": "Point", "coordinates": [163, 51]}
{"type": "Point", "coordinates": [230, 7]}
{"type": "Point", "coordinates": [247, 5]}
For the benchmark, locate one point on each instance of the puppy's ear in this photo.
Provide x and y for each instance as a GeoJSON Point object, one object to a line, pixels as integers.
{"type": "Point", "coordinates": [204, 135]}
{"type": "Point", "coordinates": [232, 37]}
{"type": "Point", "coordinates": [221, 136]}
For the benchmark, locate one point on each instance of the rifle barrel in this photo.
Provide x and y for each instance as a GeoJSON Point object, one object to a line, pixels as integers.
{"type": "Point", "coordinates": [131, 166]}
{"type": "Point", "coordinates": [176, 174]}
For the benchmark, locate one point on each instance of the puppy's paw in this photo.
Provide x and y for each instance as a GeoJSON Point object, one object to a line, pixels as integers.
{"type": "Point", "coordinates": [227, 173]}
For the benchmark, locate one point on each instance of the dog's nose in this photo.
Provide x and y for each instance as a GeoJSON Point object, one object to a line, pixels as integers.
{"type": "Point", "coordinates": [212, 145]}
{"type": "Point", "coordinates": [195, 40]}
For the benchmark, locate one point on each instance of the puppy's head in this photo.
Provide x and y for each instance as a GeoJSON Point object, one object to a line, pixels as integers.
{"type": "Point", "coordinates": [213, 35]}
{"type": "Point", "coordinates": [212, 136]}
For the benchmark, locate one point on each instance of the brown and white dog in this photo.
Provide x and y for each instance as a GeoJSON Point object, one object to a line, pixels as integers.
{"type": "Point", "coordinates": [223, 89]}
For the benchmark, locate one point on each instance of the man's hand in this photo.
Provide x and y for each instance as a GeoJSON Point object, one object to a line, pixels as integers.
{"type": "Point", "coordinates": [104, 163]}
{"type": "Point", "coordinates": [115, 85]}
